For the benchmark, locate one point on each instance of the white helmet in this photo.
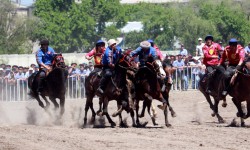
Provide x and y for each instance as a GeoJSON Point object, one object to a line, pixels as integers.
{"type": "Point", "coordinates": [111, 42]}
{"type": "Point", "coordinates": [145, 44]}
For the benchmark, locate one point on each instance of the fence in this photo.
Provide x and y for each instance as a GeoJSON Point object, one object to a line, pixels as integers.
{"type": "Point", "coordinates": [183, 79]}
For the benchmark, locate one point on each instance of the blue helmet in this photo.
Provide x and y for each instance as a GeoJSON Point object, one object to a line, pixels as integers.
{"type": "Point", "coordinates": [100, 42]}
{"type": "Point", "coordinates": [233, 41]}
{"type": "Point", "coordinates": [150, 41]}
{"type": "Point", "coordinates": [209, 37]}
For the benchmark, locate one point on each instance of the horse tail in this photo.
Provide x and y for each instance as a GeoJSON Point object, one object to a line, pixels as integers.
{"type": "Point", "coordinates": [31, 80]}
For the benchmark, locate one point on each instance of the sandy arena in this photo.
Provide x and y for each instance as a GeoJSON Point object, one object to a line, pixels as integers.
{"type": "Point", "coordinates": [26, 126]}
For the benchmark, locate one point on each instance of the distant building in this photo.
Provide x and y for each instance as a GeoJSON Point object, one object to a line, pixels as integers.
{"type": "Point", "coordinates": [21, 10]}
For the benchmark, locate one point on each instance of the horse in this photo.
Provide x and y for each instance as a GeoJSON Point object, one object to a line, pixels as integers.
{"type": "Point", "coordinates": [116, 89]}
{"type": "Point", "coordinates": [165, 70]}
{"type": "Point", "coordinates": [54, 85]}
{"type": "Point", "coordinates": [217, 74]}
{"type": "Point", "coordinates": [147, 88]}
{"type": "Point", "coordinates": [240, 91]}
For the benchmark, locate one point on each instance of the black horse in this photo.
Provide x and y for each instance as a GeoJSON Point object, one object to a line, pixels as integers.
{"type": "Point", "coordinates": [216, 90]}
{"type": "Point", "coordinates": [147, 88]}
{"type": "Point", "coordinates": [116, 89]}
{"type": "Point", "coordinates": [54, 84]}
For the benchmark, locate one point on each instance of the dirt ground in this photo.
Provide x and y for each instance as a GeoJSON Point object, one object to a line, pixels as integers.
{"type": "Point", "coordinates": [26, 126]}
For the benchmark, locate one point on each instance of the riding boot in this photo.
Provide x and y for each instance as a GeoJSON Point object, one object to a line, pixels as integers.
{"type": "Point", "coordinates": [40, 84]}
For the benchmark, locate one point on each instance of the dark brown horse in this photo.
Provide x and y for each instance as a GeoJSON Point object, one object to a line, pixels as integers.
{"type": "Point", "coordinates": [165, 83]}
{"type": "Point", "coordinates": [215, 91]}
{"type": "Point", "coordinates": [116, 89]}
{"type": "Point", "coordinates": [54, 85]}
{"type": "Point", "coordinates": [240, 91]}
{"type": "Point", "coordinates": [147, 88]}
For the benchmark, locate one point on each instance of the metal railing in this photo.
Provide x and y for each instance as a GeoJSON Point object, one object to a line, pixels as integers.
{"type": "Point", "coordinates": [183, 79]}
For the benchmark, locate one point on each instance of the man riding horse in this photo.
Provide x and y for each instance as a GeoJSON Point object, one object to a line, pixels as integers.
{"type": "Point", "coordinates": [44, 57]}
{"type": "Point", "coordinates": [211, 58]}
{"type": "Point", "coordinates": [109, 59]}
{"type": "Point", "coordinates": [97, 53]}
{"type": "Point", "coordinates": [234, 53]}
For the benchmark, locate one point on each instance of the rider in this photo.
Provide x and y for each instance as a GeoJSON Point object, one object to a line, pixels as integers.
{"type": "Point", "coordinates": [211, 58]}
{"type": "Point", "coordinates": [235, 55]}
{"type": "Point", "coordinates": [109, 59]}
{"type": "Point", "coordinates": [160, 56]}
{"type": "Point", "coordinates": [97, 53]}
{"type": "Point", "coordinates": [44, 57]}
{"type": "Point", "coordinates": [158, 51]}
{"type": "Point", "coordinates": [144, 51]}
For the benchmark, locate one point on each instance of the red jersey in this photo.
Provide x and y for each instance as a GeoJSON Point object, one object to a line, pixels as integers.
{"type": "Point", "coordinates": [97, 56]}
{"type": "Point", "coordinates": [209, 52]}
{"type": "Point", "coordinates": [234, 56]}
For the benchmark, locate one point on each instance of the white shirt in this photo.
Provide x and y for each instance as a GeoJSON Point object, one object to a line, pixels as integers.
{"type": "Point", "coordinates": [199, 49]}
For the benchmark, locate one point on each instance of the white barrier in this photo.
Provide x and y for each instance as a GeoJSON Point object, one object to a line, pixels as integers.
{"type": "Point", "coordinates": [183, 79]}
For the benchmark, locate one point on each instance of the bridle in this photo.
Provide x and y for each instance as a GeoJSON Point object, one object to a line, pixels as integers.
{"type": "Point", "coordinates": [58, 61]}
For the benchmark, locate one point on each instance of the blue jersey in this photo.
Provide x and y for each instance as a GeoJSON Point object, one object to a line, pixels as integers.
{"type": "Point", "coordinates": [143, 55]}
{"type": "Point", "coordinates": [45, 57]}
{"type": "Point", "coordinates": [110, 56]}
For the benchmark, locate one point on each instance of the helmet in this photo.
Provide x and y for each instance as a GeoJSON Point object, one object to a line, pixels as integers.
{"type": "Point", "coordinates": [150, 41]}
{"type": "Point", "coordinates": [111, 42]}
{"type": "Point", "coordinates": [44, 42]}
{"type": "Point", "coordinates": [145, 44]}
{"type": "Point", "coordinates": [233, 41]}
{"type": "Point", "coordinates": [209, 37]}
{"type": "Point", "coordinates": [100, 42]}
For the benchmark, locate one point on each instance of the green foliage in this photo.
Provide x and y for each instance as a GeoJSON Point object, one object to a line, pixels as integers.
{"type": "Point", "coordinates": [76, 27]}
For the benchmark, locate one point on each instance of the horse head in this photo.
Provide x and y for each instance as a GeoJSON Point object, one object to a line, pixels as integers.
{"type": "Point", "coordinates": [58, 61]}
{"type": "Point", "coordinates": [125, 61]}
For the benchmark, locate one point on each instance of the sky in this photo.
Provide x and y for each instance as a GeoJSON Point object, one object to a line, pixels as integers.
{"type": "Point", "coordinates": [26, 2]}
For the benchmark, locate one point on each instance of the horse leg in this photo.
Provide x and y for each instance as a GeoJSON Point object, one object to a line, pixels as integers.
{"type": "Point", "coordinates": [137, 116]}
{"type": "Point", "coordinates": [149, 104]}
{"type": "Point", "coordinates": [143, 109]}
{"type": "Point", "coordinates": [47, 102]}
{"type": "Point", "coordinates": [248, 110]}
{"type": "Point", "coordinates": [216, 103]}
{"type": "Point", "coordinates": [62, 103]}
{"type": "Point", "coordinates": [39, 101]}
{"type": "Point", "coordinates": [224, 104]}
{"type": "Point", "coordinates": [100, 106]}
{"type": "Point", "coordinates": [166, 117]}
{"type": "Point", "coordinates": [166, 97]}
{"type": "Point", "coordinates": [132, 114]}
{"type": "Point", "coordinates": [240, 112]}
{"type": "Point", "coordinates": [87, 106]}
{"type": "Point", "coordinates": [209, 102]}
{"type": "Point", "coordinates": [105, 112]}
{"type": "Point", "coordinates": [54, 102]}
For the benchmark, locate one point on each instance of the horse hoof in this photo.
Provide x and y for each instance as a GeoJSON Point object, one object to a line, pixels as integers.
{"type": "Point", "coordinates": [213, 114]}
{"type": "Point", "coordinates": [123, 125]}
{"type": "Point", "coordinates": [168, 125]}
{"type": "Point", "coordinates": [114, 115]}
{"type": "Point", "coordinates": [221, 121]}
{"type": "Point", "coordinates": [113, 124]}
{"type": "Point", "coordinates": [141, 116]}
{"type": "Point", "coordinates": [243, 124]}
{"type": "Point", "coordinates": [98, 111]}
{"type": "Point", "coordinates": [173, 114]}
{"type": "Point", "coordinates": [224, 105]}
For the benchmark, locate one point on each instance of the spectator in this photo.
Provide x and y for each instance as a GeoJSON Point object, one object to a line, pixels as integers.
{"type": "Point", "coordinates": [91, 66]}
{"type": "Point", "coordinates": [179, 65]}
{"type": "Point", "coordinates": [82, 74]}
{"type": "Point", "coordinates": [196, 70]}
{"type": "Point", "coordinates": [199, 51]}
{"type": "Point", "coordinates": [11, 86]}
{"type": "Point", "coordinates": [222, 47]}
{"type": "Point", "coordinates": [19, 76]}
{"type": "Point", "coordinates": [183, 51]}
{"type": "Point", "coordinates": [73, 77]}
